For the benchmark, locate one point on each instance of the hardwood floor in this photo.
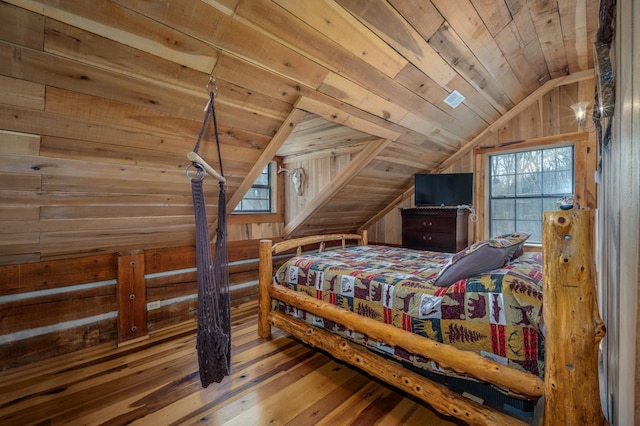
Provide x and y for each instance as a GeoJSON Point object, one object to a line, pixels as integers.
{"type": "Point", "coordinates": [156, 382]}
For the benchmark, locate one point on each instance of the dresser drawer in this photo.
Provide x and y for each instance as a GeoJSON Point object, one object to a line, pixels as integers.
{"type": "Point", "coordinates": [435, 241]}
{"type": "Point", "coordinates": [426, 223]}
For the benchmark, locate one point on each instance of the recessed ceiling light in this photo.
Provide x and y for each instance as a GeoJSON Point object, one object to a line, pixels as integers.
{"type": "Point", "coordinates": [454, 99]}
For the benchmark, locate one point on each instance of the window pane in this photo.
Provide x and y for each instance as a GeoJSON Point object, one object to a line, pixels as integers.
{"type": "Point", "coordinates": [254, 193]}
{"type": "Point", "coordinates": [529, 184]}
{"type": "Point", "coordinates": [533, 227]}
{"type": "Point", "coordinates": [262, 205]}
{"type": "Point", "coordinates": [255, 205]}
{"type": "Point", "coordinates": [503, 186]}
{"type": "Point", "coordinates": [263, 179]}
{"type": "Point", "coordinates": [558, 158]}
{"type": "Point", "coordinates": [503, 164]}
{"type": "Point", "coordinates": [529, 162]}
{"type": "Point", "coordinates": [528, 209]}
{"type": "Point", "coordinates": [560, 182]}
{"type": "Point", "coordinates": [499, 227]}
{"type": "Point", "coordinates": [503, 209]}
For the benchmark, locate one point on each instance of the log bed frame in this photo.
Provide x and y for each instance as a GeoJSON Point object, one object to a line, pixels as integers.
{"type": "Point", "coordinates": [574, 329]}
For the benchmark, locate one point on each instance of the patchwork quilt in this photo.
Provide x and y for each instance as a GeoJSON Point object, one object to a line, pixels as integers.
{"type": "Point", "coordinates": [497, 314]}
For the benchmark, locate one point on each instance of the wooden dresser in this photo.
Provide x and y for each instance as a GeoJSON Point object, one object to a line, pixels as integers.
{"type": "Point", "coordinates": [435, 229]}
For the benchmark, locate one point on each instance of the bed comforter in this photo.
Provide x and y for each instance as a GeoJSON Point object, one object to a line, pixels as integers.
{"type": "Point", "coordinates": [496, 314]}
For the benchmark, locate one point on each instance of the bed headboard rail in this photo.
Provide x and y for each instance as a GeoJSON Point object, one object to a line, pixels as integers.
{"type": "Point", "coordinates": [298, 243]}
{"type": "Point", "coordinates": [268, 249]}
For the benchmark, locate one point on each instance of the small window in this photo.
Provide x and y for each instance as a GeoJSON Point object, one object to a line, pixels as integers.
{"type": "Point", "coordinates": [524, 184]}
{"type": "Point", "coordinates": [258, 198]}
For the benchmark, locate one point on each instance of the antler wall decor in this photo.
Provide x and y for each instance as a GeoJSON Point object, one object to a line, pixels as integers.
{"type": "Point", "coordinates": [297, 178]}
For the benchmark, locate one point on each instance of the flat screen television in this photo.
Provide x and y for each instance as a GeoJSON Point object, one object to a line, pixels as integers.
{"type": "Point", "coordinates": [444, 190]}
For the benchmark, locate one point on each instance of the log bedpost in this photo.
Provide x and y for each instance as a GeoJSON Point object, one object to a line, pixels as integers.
{"type": "Point", "coordinates": [365, 238]}
{"type": "Point", "coordinates": [264, 281]}
{"type": "Point", "coordinates": [573, 325]}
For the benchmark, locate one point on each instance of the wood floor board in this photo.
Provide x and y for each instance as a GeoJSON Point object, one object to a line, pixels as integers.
{"type": "Point", "coordinates": [156, 382]}
{"type": "Point", "coordinates": [77, 400]}
{"type": "Point", "coordinates": [211, 403]}
{"type": "Point", "coordinates": [312, 386]}
{"type": "Point", "coordinates": [322, 410]}
{"type": "Point", "coordinates": [88, 374]}
{"type": "Point", "coordinates": [352, 408]}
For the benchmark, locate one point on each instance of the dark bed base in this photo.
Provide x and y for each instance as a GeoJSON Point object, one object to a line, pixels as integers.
{"type": "Point", "coordinates": [484, 393]}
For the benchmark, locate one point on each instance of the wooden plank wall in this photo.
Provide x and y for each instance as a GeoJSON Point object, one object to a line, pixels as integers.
{"type": "Point", "coordinates": [550, 116]}
{"type": "Point", "coordinates": [55, 307]}
{"type": "Point", "coordinates": [618, 224]}
{"type": "Point", "coordinates": [95, 133]}
{"type": "Point", "coordinates": [320, 169]}
{"type": "Point", "coordinates": [59, 306]}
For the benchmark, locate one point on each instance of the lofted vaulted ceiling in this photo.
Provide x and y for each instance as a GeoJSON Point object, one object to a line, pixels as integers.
{"type": "Point", "coordinates": [122, 84]}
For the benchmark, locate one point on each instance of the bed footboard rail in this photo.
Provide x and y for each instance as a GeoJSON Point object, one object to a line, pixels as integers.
{"type": "Point", "coordinates": [447, 356]}
{"type": "Point", "coordinates": [437, 395]}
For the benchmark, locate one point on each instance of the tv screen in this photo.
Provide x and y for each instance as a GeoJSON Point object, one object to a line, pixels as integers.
{"type": "Point", "coordinates": [445, 190]}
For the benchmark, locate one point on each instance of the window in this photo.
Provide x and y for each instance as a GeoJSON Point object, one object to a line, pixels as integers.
{"type": "Point", "coordinates": [258, 198]}
{"type": "Point", "coordinates": [525, 184]}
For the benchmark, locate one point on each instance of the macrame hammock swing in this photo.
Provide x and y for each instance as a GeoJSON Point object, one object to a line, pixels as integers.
{"type": "Point", "coordinates": [213, 341]}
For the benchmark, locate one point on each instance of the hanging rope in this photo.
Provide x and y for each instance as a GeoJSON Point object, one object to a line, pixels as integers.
{"type": "Point", "coordinates": [213, 341]}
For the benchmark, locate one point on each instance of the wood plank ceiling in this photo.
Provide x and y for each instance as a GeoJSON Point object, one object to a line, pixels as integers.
{"type": "Point", "coordinates": [112, 93]}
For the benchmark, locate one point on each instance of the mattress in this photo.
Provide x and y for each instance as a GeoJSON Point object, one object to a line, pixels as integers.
{"type": "Point", "coordinates": [496, 314]}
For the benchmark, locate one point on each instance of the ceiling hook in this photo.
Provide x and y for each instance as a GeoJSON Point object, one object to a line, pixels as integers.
{"type": "Point", "coordinates": [210, 83]}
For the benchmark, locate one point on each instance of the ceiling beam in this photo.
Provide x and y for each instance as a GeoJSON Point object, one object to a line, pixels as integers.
{"type": "Point", "coordinates": [290, 123]}
{"type": "Point", "coordinates": [341, 116]}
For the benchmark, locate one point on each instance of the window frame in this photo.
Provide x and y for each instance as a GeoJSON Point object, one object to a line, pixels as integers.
{"type": "Point", "coordinates": [523, 196]}
{"type": "Point", "coordinates": [277, 203]}
{"type": "Point", "coordinates": [585, 165]}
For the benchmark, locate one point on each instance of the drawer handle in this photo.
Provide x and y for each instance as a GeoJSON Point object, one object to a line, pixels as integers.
{"type": "Point", "coordinates": [424, 237]}
{"type": "Point", "coordinates": [427, 224]}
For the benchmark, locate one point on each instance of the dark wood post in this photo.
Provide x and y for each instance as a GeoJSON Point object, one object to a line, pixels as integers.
{"type": "Point", "coordinates": [132, 301]}
{"type": "Point", "coordinates": [264, 281]}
